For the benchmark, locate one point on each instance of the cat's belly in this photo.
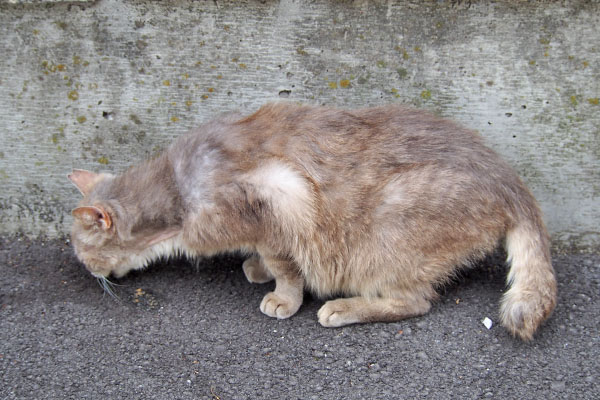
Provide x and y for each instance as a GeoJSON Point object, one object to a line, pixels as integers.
{"type": "Point", "coordinates": [335, 278]}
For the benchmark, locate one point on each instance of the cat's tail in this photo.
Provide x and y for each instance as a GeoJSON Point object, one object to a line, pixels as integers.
{"type": "Point", "coordinates": [532, 294]}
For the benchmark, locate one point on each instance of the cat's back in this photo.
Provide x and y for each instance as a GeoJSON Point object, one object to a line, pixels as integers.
{"type": "Point", "coordinates": [331, 144]}
{"type": "Point", "coordinates": [381, 137]}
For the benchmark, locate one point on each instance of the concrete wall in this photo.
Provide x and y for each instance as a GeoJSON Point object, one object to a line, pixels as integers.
{"type": "Point", "coordinates": [101, 84]}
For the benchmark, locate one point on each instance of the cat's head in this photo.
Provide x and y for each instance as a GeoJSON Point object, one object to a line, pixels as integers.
{"type": "Point", "coordinates": [101, 232]}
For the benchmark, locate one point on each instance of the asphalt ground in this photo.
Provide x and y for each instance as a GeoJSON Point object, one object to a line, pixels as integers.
{"type": "Point", "coordinates": [185, 331]}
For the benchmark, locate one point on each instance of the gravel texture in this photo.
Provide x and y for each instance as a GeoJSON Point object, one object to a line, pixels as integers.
{"type": "Point", "coordinates": [183, 331]}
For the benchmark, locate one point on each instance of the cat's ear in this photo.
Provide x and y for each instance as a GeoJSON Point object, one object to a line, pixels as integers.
{"type": "Point", "coordinates": [163, 235]}
{"type": "Point", "coordinates": [84, 180]}
{"type": "Point", "coordinates": [90, 216]}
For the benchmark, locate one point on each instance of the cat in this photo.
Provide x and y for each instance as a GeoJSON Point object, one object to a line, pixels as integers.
{"type": "Point", "coordinates": [379, 206]}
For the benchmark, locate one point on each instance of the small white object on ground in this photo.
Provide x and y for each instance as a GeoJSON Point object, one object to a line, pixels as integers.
{"type": "Point", "coordinates": [487, 322]}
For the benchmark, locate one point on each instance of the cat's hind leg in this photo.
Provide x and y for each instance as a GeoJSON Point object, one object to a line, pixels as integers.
{"type": "Point", "coordinates": [345, 311]}
{"type": "Point", "coordinates": [255, 270]}
{"type": "Point", "coordinates": [287, 297]}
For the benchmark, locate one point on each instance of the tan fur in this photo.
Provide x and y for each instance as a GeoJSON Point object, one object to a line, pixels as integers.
{"type": "Point", "coordinates": [378, 205]}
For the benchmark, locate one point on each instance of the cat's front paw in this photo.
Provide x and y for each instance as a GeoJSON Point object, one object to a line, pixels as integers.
{"type": "Point", "coordinates": [255, 271]}
{"type": "Point", "coordinates": [280, 307]}
{"type": "Point", "coordinates": [335, 313]}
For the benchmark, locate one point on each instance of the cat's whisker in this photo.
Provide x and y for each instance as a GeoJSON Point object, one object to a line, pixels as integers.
{"type": "Point", "coordinates": [113, 284]}
{"type": "Point", "coordinates": [108, 287]}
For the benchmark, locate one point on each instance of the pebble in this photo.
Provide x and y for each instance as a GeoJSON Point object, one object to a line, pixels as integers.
{"type": "Point", "coordinates": [421, 324]}
{"type": "Point", "coordinates": [375, 376]}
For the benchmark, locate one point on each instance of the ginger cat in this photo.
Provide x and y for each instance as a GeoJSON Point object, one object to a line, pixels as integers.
{"type": "Point", "coordinates": [379, 206]}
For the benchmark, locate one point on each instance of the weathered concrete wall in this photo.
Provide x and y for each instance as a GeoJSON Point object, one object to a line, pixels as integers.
{"type": "Point", "coordinates": [101, 84]}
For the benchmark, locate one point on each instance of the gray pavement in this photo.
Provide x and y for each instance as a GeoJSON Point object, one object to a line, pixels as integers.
{"type": "Point", "coordinates": [181, 331]}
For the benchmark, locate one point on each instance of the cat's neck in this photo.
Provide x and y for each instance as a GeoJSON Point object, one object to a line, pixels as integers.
{"type": "Point", "coordinates": [147, 195]}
